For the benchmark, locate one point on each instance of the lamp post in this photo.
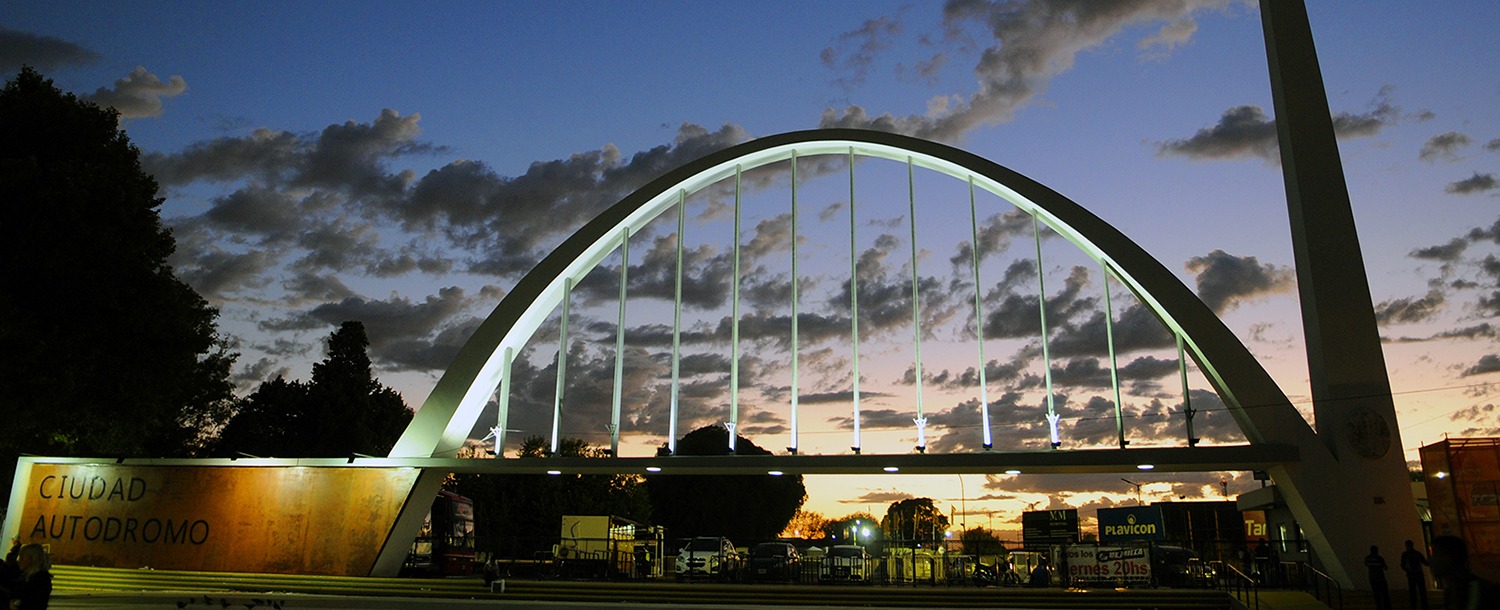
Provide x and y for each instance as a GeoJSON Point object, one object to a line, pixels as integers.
{"type": "Point", "coordinates": [963, 502]}
{"type": "Point", "coordinates": [1137, 490]}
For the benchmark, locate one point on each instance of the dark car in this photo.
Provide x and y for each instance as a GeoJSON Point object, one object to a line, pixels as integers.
{"type": "Point", "coordinates": [775, 561]}
{"type": "Point", "coordinates": [1174, 566]}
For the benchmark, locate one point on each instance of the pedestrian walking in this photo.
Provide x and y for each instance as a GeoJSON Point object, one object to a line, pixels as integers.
{"type": "Point", "coordinates": [1412, 561]}
{"type": "Point", "coordinates": [1378, 587]}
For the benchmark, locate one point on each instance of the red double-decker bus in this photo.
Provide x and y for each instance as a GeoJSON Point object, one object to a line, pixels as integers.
{"type": "Point", "coordinates": [445, 546]}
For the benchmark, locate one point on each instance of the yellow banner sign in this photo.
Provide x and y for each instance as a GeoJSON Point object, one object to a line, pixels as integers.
{"type": "Point", "coordinates": [290, 520]}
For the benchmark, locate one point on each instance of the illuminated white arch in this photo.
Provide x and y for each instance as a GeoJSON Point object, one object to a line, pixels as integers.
{"type": "Point", "coordinates": [450, 412]}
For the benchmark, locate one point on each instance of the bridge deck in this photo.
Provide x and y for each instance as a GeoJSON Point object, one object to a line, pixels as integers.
{"type": "Point", "coordinates": [1065, 461]}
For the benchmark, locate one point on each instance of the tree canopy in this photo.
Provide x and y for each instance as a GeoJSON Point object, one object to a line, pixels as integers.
{"type": "Point", "coordinates": [980, 541]}
{"type": "Point", "coordinates": [914, 519]}
{"type": "Point", "coordinates": [103, 350]}
{"type": "Point", "coordinates": [743, 508]}
{"type": "Point", "coordinates": [343, 410]}
{"type": "Point", "coordinates": [856, 528]}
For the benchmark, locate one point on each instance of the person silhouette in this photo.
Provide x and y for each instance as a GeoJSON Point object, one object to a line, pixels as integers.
{"type": "Point", "coordinates": [1378, 587]}
{"type": "Point", "coordinates": [1462, 590]}
{"type": "Point", "coordinates": [1412, 561]}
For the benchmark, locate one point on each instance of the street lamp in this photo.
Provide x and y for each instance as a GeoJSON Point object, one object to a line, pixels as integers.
{"type": "Point", "coordinates": [1137, 490]}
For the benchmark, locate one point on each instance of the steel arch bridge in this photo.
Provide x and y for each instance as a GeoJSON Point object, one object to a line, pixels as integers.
{"type": "Point", "coordinates": [1316, 484]}
{"type": "Point", "coordinates": [443, 424]}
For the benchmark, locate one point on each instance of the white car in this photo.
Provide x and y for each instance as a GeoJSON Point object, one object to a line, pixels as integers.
{"type": "Point", "coordinates": [708, 557]}
{"type": "Point", "coordinates": [846, 562]}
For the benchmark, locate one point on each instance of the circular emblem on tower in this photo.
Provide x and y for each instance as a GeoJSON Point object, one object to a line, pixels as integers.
{"type": "Point", "coordinates": [1369, 435]}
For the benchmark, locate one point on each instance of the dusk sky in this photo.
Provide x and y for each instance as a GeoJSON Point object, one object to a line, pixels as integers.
{"type": "Point", "coordinates": [403, 164]}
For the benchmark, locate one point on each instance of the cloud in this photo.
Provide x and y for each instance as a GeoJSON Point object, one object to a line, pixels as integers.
{"type": "Point", "coordinates": [1243, 131]}
{"type": "Point", "coordinates": [1478, 183]}
{"type": "Point", "coordinates": [1488, 363]}
{"type": "Point", "coordinates": [514, 220]}
{"type": "Point", "coordinates": [273, 215]}
{"type": "Point", "coordinates": [1483, 417]}
{"type": "Point", "coordinates": [139, 94]}
{"type": "Point", "coordinates": [879, 497]}
{"type": "Point", "coordinates": [1410, 309]}
{"type": "Point", "coordinates": [1135, 328]}
{"type": "Point", "coordinates": [1246, 131]}
{"type": "Point", "coordinates": [1031, 43]}
{"type": "Point", "coordinates": [217, 272]}
{"type": "Point", "coordinates": [1168, 38]}
{"type": "Point", "coordinates": [706, 275]}
{"type": "Point", "coordinates": [347, 158]}
{"type": "Point", "coordinates": [1482, 330]}
{"type": "Point", "coordinates": [1492, 233]}
{"type": "Point", "coordinates": [385, 320]}
{"type": "Point", "coordinates": [1447, 253]}
{"type": "Point", "coordinates": [420, 353]}
{"type": "Point", "coordinates": [996, 234]}
{"type": "Point", "coordinates": [1014, 315]}
{"type": "Point", "coordinates": [1490, 268]}
{"type": "Point", "coordinates": [1443, 146]}
{"type": "Point", "coordinates": [1224, 280]}
{"type": "Point", "coordinates": [323, 198]}
{"type": "Point", "coordinates": [588, 396]}
{"type": "Point", "coordinates": [18, 48]}
{"type": "Point", "coordinates": [265, 154]}
{"type": "Point", "coordinates": [1492, 145]}
{"type": "Point", "coordinates": [857, 49]}
{"type": "Point", "coordinates": [263, 369]}
{"type": "Point", "coordinates": [308, 286]}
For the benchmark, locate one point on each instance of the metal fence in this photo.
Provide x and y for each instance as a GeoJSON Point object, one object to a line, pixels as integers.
{"type": "Point", "coordinates": [889, 563]}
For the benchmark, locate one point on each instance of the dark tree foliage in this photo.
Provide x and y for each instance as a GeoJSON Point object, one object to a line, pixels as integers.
{"type": "Point", "coordinates": [344, 410]}
{"type": "Point", "coordinates": [518, 516]}
{"type": "Point", "coordinates": [859, 528]}
{"type": "Point", "coordinates": [979, 541]}
{"type": "Point", "coordinates": [914, 520]}
{"type": "Point", "coordinates": [103, 351]}
{"type": "Point", "coordinates": [744, 508]}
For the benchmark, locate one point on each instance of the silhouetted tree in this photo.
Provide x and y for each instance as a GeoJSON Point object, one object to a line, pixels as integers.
{"type": "Point", "coordinates": [745, 508]}
{"type": "Point", "coordinates": [860, 528]}
{"type": "Point", "coordinates": [914, 519]}
{"type": "Point", "coordinates": [103, 350]}
{"type": "Point", "coordinates": [979, 541]}
{"type": "Point", "coordinates": [520, 515]}
{"type": "Point", "coordinates": [344, 410]}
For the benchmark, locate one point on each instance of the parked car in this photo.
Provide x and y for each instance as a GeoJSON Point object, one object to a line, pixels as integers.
{"type": "Point", "coordinates": [846, 562]}
{"type": "Point", "coordinates": [1175, 566]}
{"type": "Point", "coordinates": [709, 557]}
{"type": "Point", "coordinates": [774, 561]}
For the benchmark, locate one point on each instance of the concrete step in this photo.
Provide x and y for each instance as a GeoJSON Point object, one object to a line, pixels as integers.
{"type": "Point", "coordinates": [76, 578]}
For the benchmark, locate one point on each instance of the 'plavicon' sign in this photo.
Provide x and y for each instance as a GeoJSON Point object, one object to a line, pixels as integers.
{"type": "Point", "coordinates": [1133, 523]}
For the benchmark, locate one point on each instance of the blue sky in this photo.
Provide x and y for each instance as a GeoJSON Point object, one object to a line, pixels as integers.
{"type": "Point", "coordinates": [402, 163]}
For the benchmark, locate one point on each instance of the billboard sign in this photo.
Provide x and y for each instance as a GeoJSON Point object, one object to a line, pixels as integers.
{"type": "Point", "coordinates": [1108, 564]}
{"type": "Point", "coordinates": [1255, 525]}
{"type": "Point", "coordinates": [1131, 523]}
{"type": "Point", "coordinates": [272, 519]}
{"type": "Point", "coordinates": [1049, 526]}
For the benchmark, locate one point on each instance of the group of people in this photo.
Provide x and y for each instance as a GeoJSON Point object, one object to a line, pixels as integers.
{"type": "Point", "coordinates": [26, 577]}
{"type": "Point", "coordinates": [1462, 590]}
